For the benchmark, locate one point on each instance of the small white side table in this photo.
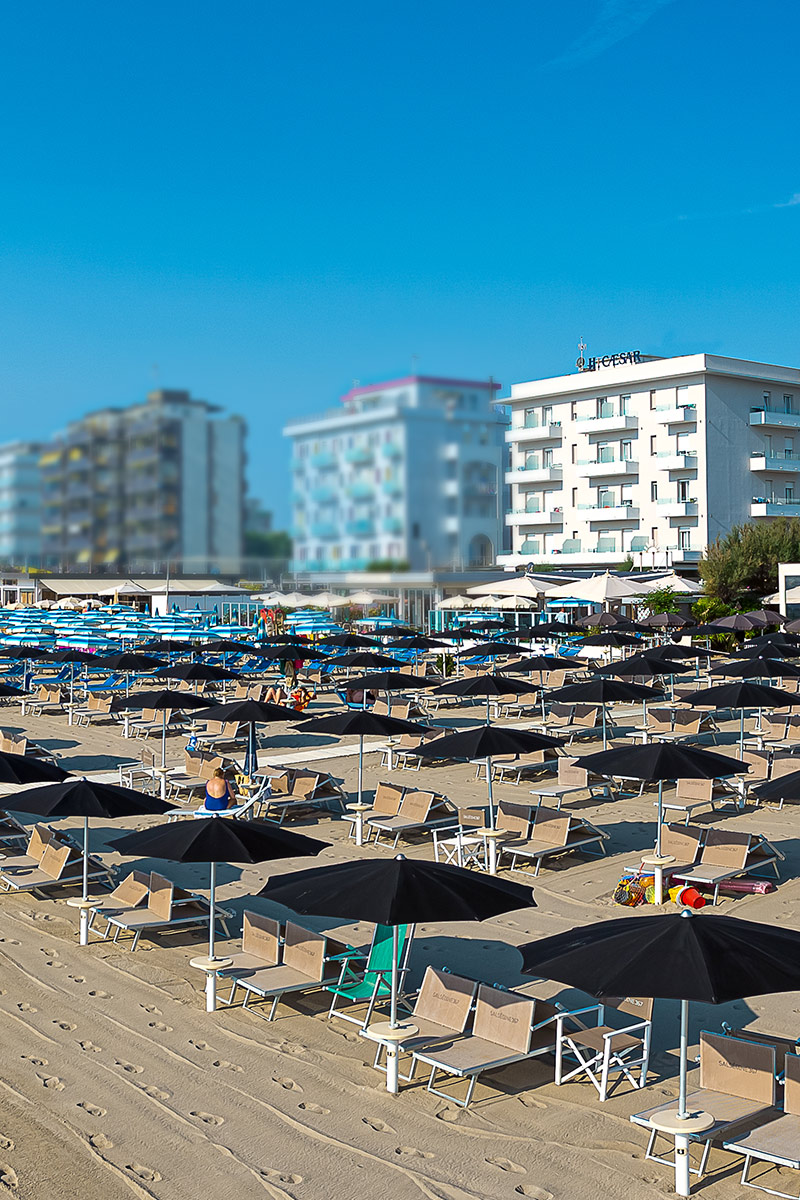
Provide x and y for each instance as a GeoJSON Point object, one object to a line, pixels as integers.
{"type": "Point", "coordinates": [211, 966]}
{"type": "Point", "coordinates": [681, 1129]}
{"type": "Point", "coordinates": [83, 922]}
{"type": "Point", "coordinates": [391, 1036]}
{"type": "Point", "coordinates": [359, 808]}
{"type": "Point", "coordinates": [658, 862]}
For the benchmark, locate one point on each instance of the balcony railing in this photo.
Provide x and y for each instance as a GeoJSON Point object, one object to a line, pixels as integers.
{"type": "Point", "coordinates": [763, 416]}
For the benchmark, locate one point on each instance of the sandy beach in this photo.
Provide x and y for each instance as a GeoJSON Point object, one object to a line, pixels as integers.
{"type": "Point", "coordinates": [116, 1082]}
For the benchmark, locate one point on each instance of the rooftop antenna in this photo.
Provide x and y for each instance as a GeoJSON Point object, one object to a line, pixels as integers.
{"type": "Point", "coordinates": [414, 361]}
{"type": "Point", "coordinates": [580, 362]}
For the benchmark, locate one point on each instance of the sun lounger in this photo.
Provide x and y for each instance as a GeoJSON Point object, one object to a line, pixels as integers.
{"type": "Point", "coordinates": [220, 733]}
{"type": "Point", "coordinates": [295, 790]}
{"type": "Point", "coordinates": [571, 779]}
{"type": "Point", "coordinates": [268, 969]}
{"type": "Point", "coordinates": [552, 835]}
{"type": "Point", "coordinates": [168, 908]}
{"type": "Point", "coordinates": [418, 811]}
{"type": "Point", "coordinates": [737, 1086]}
{"type": "Point", "coordinates": [48, 699]}
{"type": "Point", "coordinates": [507, 1028]}
{"type": "Point", "coordinates": [681, 842]}
{"type": "Point", "coordinates": [98, 708]}
{"type": "Point", "coordinates": [602, 1049]}
{"type": "Point", "coordinates": [39, 839]}
{"type": "Point", "coordinates": [61, 866]}
{"type": "Point", "coordinates": [520, 767]}
{"type": "Point", "coordinates": [386, 803]}
{"type": "Point", "coordinates": [776, 1144]}
{"type": "Point", "coordinates": [440, 1013]}
{"type": "Point", "coordinates": [11, 832]}
{"type": "Point", "coordinates": [728, 855]}
{"type": "Point", "coordinates": [130, 892]}
{"type": "Point", "coordinates": [20, 743]}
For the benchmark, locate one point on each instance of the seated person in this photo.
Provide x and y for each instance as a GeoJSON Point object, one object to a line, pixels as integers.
{"type": "Point", "coordinates": [276, 694]}
{"type": "Point", "coordinates": [356, 696]}
{"type": "Point", "coordinates": [300, 698]}
{"type": "Point", "coordinates": [219, 793]}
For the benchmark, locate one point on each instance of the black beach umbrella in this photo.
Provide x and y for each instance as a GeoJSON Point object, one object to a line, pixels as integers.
{"type": "Point", "coordinates": [486, 742]}
{"type": "Point", "coordinates": [251, 713]}
{"type": "Point", "coordinates": [660, 761]}
{"type": "Point", "coordinates": [785, 787]}
{"type": "Point", "coordinates": [416, 642]}
{"type": "Point", "coordinates": [164, 701]}
{"type": "Point", "coordinates": [601, 620]}
{"type": "Point", "coordinates": [666, 621]}
{"type": "Point", "coordinates": [348, 641]}
{"type": "Point", "coordinates": [127, 660]}
{"type": "Point", "coordinates": [769, 616]}
{"type": "Point", "coordinates": [743, 694]}
{"type": "Point", "coordinates": [741, 623]}
{"type": "Point", "coordinates": [366, 659]}
{"type": "Point", "coordinates": [215, 840]}
{"type": "Point", "coordinates": [489, 650]}
{"type": "Point", "coordinates": [539, 662]}
{"type": "Point", "coordinates": [290, 653]}
{"type": "Point", "coordinates": [194, 672]}
{"type": "Point", "coordinates": [396, 891]}
{"type": "Point", "coordinates": [25, 654]}
{"type": "Point", "coordinates": [610, 638]}
{"type": "Point", "coordinates": [487, 685]}
{"type": "Point", "coordinates": [772, 645]}
{"type": "Point", "coordinates": [86, 798]}
{"type": "Point", "coordinates": [360, 722]}
{"type": "Point", "coordinates": [601, 690]}
{"type": "Point", "coordinates": [20, 769]}
{"type": "Point", "coordinates": [757, 667]}
{"type": "Point", "coordinates": [390, 681]}
{"type": "Point", "coordinates": [228, 646]}
{"type": "Point", "coordinates": [166, 646]}
{"type": "Point", "coordinates": [72, 657]}
{"type": "Point", "coordinates": [7, 689]}
{"type": "Point", "coordinates": [559, 628]}
{"type": "Point", "coordinates": [645, 664]}
{"type": "Point", "coordinates": [792, 626]}
{"type": "Point", "coordinates": [681, 956]}
{"type": "Point", "coordinates": [674, 650]}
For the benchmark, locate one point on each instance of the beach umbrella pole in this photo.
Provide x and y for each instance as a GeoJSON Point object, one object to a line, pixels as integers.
{"type": "Point", "coordinates": [211, 976]}
{"type": "Point", "coordinates": [83, 937]}
{"type": "Point", "coordinates": [392, 1051]}
{"type": "Point", "coordinates": [491, 850]}
{"type": "Point", "coordinates": [682, 1179]}
{"type": "Point", "coordinates": [163, 754]}
{"type": "Point", "coordinates": [605, 739]}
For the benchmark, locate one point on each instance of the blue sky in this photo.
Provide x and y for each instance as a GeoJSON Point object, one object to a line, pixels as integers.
{"type": "Point", "coordinates": [264, 202]}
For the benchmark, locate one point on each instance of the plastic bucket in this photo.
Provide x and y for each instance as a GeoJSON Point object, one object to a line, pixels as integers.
{"type": "Point", "coordinates": [689, 897]}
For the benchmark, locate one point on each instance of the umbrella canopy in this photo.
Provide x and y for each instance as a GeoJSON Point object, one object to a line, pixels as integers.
{"type": "Point", "coordinates": [602, 690]}
{"type": "Point", "coordinates": [742, 694]}
{"type": "Point", "coordinates": [389, 681]}
{"type": "Point", "coordinates": [229, 646]}
{"type": "Point", "coordinates": [365, 658]}
{"type": "Point", "coordinates": [742, 622]}
{"type": "Point", "coordinates": [785, 787]}
{"type": "Point", "coordinates": [72, 656]}
{"type": "Point", "coordinates": [769, 616]}
{"type": "Point", "coordinates": [20, 769]}
{"type": "Point", "coordinates": [127, 661]}
{"type": "Point", "coordinates": [546, 628]}
{"type": "Point", "coordinates": [194, 672]}
{"type": "Point", "coordinates": [792, 626]}
{"type": "Point", "coordinates": [416, 642]}
{"type": "Point", "coordinates": [213, 840]}
{"type": "Point", "coordinates": [162, 645]}
{"type": "Point", "coordinates": [489, 650]}
{"type": "Point", "coordinates": [6, 689]}
{"type": "Point", "coordinates": [677, 957]}
{"type": "Point", "coordinates": [646, 664]}
{"type": "Point", "coordinates": [290, 653]}
{"type": "Point", "coordinates": [527, 586]}
{"type": "Point", "coordinates": [600, 589]}
{"type": "Point", "coordinates": [251, 713]}
{"type": "Point", "coordinates": [757, 667]}
{"type": "Point", "coordinates": [364, 597]}
{"type": "Point", "coordinates": [22, 653]}
{"type": "Point", "coordinates": [666, 621]}
{"type": "Point", "coordinates": [539, 662]}
{"type": "Point", "coordinates": [486, 685]}
{"type": "Point", "coordinates": [610, 638]}
{"type": "Point", "coordinates": [602, 620]}
{"type": "Point", "coordinates": [350, 641]}
{"type": "Point", "coordinates": [165, 700]}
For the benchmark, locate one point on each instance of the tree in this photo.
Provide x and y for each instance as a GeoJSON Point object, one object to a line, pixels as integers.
{"type": "Point", "coordinates": [275, 544]}
{"type": "Point", "coordinates": [742, 566]}
{"type": "Point", "coordinates": [660, 600]}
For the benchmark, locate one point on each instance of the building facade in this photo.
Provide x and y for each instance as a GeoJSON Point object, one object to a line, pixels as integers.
{"type": "Point", "coordinates": [409, 471]}
{"type": "Point", "coordinates": [138, 487]}
{"type": "Point", "coordinates": [20, 504]}
{"type": "Point", "coordinates": [650, 458]}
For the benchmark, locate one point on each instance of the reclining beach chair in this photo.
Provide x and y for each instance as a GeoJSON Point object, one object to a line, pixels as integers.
{"type": "Point", "coordinates": [572, 778]}
{"type": "Point", "coordinates": [552, 835]}
{"type": "Point", "coordinates": [47, 699]}
{"type": "Point", "coordinates": [440, 1013]}
{"type": "Point", "coordinates": [681, 842]}
{"type": "Point", "coordinates": [517, 768]}
{"type": "Point", "coordinates": [293, 790]}
{"type": "Point", "coordinates": [220, 733]}
{"type": "Point", "coordinates": [168, 907]}
{"type": "Point", "coordinates": [657, 726]}
{"type": "Point", "coordinates": [691, 795]}
{"type": "Point", "coordinates": [776, 1144]}
{"type": "Point", "coordinates": [98, 708]}
{"type": "Point", "coordinates": [39, 839]}
{"type": "Point", "coordinates": [366, 979]}
{"type": "Point", "coordinates": [602, 1049]}
{"type": "Point", "coordinates": [20, 743]}
{"type": "Point", "coordinates": [729, 855]}
{"type": "Point", "coordinates": [268, 969]}
{"type": "Point", "coordinates": [418, 811]}
{"type": "Point", "coordinates": [507, 1028]}
{"type": "Point", "coordinates": [386, 803]}
{"type": "Point", "coordinates": [198, 767]}
{"type": "Point", "coordinates": [737, 1085]}
{"type": "Point", "coordinates": [61, 865]}
{"type": "Point", "coordinates": [11, 833]}
{"type": "Point", "coordinates": [130, 892]}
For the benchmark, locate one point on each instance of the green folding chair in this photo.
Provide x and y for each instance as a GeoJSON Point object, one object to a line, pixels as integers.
{"type": "Point", "coordinates": [371, 983]}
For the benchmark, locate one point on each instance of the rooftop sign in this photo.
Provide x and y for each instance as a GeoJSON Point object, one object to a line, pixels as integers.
{"type": "Point", "coordinates": [609, 360]}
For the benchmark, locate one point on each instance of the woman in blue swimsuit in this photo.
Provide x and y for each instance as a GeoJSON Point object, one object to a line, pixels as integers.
{"type": "Point", "coordinates": [219, 793]}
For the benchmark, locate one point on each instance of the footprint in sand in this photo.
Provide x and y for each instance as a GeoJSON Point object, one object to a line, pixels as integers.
{"type": "Point", "coordinates": [8, 1176]}
{"type": "Point", "coordinates": [145, 1173]}
{"type": "Point", "coordinates": [41, 917]}
{"type": "Point", "coordinates": [131, 1068]}
{"type": "Point", "coordinates": [11, 941]}
{"type": "Point", "coordinates": [151, 1008]}
{"type": "Point", "coordinates": [224, 1065]}
{"type": "Point", "coordinates": [25, 1007]}
{"type": "Point", "coordinates": [53, 1082]}
{"type": "Point", "coordinates": [413, 1152]}
{"type": "Point", "coordinates": [314, 1108]}
{"type": "Point", "coordinates": [200, 1045]}
{"type": "Point", "coordinates": [78, 978]}
{"type": "Point", "coordinates": [377, 1125]}
{"type": "Point", "coordinates": [90, 1046]}
{"type": "Point", "coordinates": [6, 1143]}
{"type": "Point", "coordinates": [208, 1118]}
{"type": "Point", "coordinates": [66, 1025]}
{"type": "Point", "coordinates": [285, 1082]}
{"type": "Point", "coordinates": [100, 1141]}
{"type": "Point", "coordinates": [280, 1176]}
{"type": "Point", "coordinates": [92, 1109]}
{"type": "Point", "coordinates": [535, 1193]}
{"type": "Point", "coordinates": [532, 1102]}
{"type": "Point", "coordinates": [37, 1062]}
{"type": "Point", "coordinates": [101, 995]}
{"type": "Point", "coordinates": [449, 1114]}
{"type": "Point", "coordinates": [156, 1093]}
{"type": "Point", "coordinates": [52, 963]}
{"type": "Point", "coordinates": [160, 1026]}
{"type": "Point", "coordinates": [505, 1164]}
{"type": "Point", "coordinates": [52, 953]}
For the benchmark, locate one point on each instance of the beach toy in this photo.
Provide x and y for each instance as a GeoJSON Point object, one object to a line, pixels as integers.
{"type": "Point", "coordinates": [689, 897]}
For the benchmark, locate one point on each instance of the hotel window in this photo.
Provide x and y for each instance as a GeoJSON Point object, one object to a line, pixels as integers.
{"type": "Point", "coordinates": [547, 458]}
{"type": "Point", "coordinates": [627, 495]}
{"type": "Point", "coordinates": [573, 410]}
{"type": "Point", "coordinates": [624, 402]}
{"type": "Point", "coordinates": [626, 451]}
{"type": "Point", "coordinates": [605, 498]}
{"type": "Point", "coordinates": [788, 447]}
{"type": "Point", "coordinates": [652, 443]}
{"type": "Point", "coordinates": [788, 493]}
{"type": "Point", "coordinates": [653, 537]}
{"type": "Point", "coordinates": [652, 401]}
{"type": "Point", "coordinates": [653, 492]}
{"type": "Point", "coordinates": [531, 418]}
{"type": "Point", "coordinates": [533, 502]}
{"type": "Point", "coordinates": [788, 402]}
{"type": "Point", "coordinates": [574, 452]}
{"type": "Point", "coordinates": [605, 452]}
{"type": "Point", "coordinates": [682, 394]}
{"type": "Point", "coordinates": [683, 490]}
{"type": "Point", "coordinates": [765, 396]}
{"type": "Point", "coordinates": [684, 539]}
{"type": "Point", "coordinates": [605, 407]}
{"type": "Point", "coordinates": [574, 497]}
{"type": "Point", "coordinates": [547, 415]}
{"type": "Point", "coordinates": [531, 461]}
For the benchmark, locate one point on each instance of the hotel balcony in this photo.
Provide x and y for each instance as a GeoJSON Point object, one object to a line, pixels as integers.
{"type": "Point", "coordinates": [607, 423]}
{"type": "Point", "coordinates": [393, 525]}
{"type": "Point", "coordinates": [321, 495]}
{"type": "Point", "coordinates": [617, 466]}
{"type": "Point", "coordinates": [360, 491]}
{"type": "Point", "coordinates": [778, 420]}
{"type": "Point", "coordinates": [677, 508]}
{"type": "Point", "coordinates": [364, 528]}
{"type": "Point", "coordinates": [552, 473]}
{"type": "Point", "coordinates": [392, 487]}
{"type": "Point", "coordinates": [775, 462]}
{"type": "Point", "coordinates": [391, 450]}
{"type": "Point", "coordinates": [610, 512]}
{"type": "Point", "coordinates": [534, 433]}
{"type": "Point", "coordinates": [324, 530]}
{"type": "Point", "coordinates": [360, 456]}
{"type": "Point", "coordinates": [667, 461]}
{"type": "Point", "coordinates": [523, 517]}
{"type": "Point", "coordinates": [324, 460]}
{"type": "Point", "coordinates": [761, 507]}
{"type": "Point", "coordinates": [680, 414]}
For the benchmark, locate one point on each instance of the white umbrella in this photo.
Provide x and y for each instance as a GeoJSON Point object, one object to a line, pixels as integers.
{"type": "Point", "coordinates": [371, 598]}
{"type": "Point", "coordinates": [520, 585]}
{"type": "Point", "coordinates": [329, 600]}
{"type": "Point", "coordinates": [452, 602]}
{"type": "Point", "coordinates": [600, 589]}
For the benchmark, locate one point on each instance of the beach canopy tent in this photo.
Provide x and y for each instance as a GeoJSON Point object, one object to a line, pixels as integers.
{"type": "Point", "coordinates": [599, 589]}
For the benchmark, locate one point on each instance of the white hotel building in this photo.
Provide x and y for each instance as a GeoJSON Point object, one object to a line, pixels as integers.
{"type": "Point", "coordinates": [649, 457]}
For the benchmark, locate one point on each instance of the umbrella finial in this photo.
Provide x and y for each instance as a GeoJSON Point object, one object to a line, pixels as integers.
{"type": "Point", "coordinates": [687, 912]}
{"type": "Point", "coordinates": [399, 858]}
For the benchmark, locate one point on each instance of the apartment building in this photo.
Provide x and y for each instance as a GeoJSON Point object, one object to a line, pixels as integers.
{"type": "Point", "coordinates": [410, 470]}
{"type": "Point", "coordinates": [132, 488]}
{"type": "Point", "coordinates": [20, 504]}
{"type": "Point", "coordinates": [649, 457]}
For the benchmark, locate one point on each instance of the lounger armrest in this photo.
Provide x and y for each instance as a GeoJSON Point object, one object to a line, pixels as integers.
{"type": "Point", "coordinates": [573, 1015]}
{"type": "Point", "coordinates": [612, 1033]}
